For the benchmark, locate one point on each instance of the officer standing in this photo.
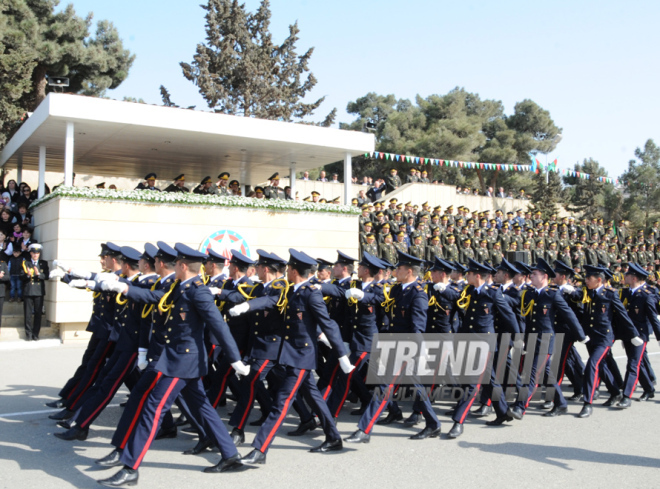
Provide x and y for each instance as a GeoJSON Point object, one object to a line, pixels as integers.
{"type": "Point", "coordinates": [178, 185]}
{"type": "Point", "coordinates": [33, 273]}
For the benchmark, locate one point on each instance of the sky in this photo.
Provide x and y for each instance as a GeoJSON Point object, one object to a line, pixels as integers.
{"type": "Point", "coordinates": [592, 64]}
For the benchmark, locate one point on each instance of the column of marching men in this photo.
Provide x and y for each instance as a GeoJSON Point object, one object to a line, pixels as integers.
{"type": "Point", "coordinates": [170, 326]}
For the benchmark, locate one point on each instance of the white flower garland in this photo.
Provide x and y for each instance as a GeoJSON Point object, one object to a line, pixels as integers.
{"type": "Point", "coordinates": [149, 196]}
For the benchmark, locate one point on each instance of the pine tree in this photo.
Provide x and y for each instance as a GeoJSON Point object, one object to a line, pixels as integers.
{"type": "Point", "coordinates": [586, 195]}
{"type": "Point", "coordinates": [240, 71]}
{"type": "Point", "coordinates": [546, 195]}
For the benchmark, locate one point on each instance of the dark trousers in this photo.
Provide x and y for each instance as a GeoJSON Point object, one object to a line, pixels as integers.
{"type": "Point", "coordinates": [635, 370]}
{"type": "Point", "coordinates": [158, 402]}
{"type": "Point", "coordinates": [295, 379]}
{"type": "Point", "coordinates": [251, 387]}
{"type": "Point", "coordinates": [32, 308]}
{"type": "Point", "coordinates": [353, 381]}
{"type": "Point", "coordinates": [219, 379]}
{"type": "Point", "coordinates": [572, 367]}
{"type": "Point", "coordinates": [116, 370]}
{"type": "Point", "coordinates": [72, 383]}
{"type": "Point", "coordinates": [103, 351]}
{"type": "Point", "coordinates": [592, 370]}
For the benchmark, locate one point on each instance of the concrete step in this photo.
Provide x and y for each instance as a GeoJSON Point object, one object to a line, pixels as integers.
{"type": "Point", "coordinates": [15, 333]}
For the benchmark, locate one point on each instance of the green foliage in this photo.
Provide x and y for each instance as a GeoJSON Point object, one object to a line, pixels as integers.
{"type": "Point", "coordinates": [240, 70]}
{"type": "Point", "coordinates": [546, 195]}
{"type": "Point", "coordinates": [642, 182]}
{"type": "Point", "coordinates": [586, 196]}
{"type": "Point", "coordinates": [36, 42]}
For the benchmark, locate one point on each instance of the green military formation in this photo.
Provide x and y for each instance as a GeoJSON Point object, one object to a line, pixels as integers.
{"type": "Point", "coordinates": [488, 237]}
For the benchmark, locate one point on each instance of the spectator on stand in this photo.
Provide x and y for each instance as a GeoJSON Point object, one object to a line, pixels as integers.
{"type": "Point", "coordinates": [16, 285]}
{"type": "Point", "coordinates": [322, 177]}
{"type": "Point", "coordinates": [25, 242]}
{"type": "Point", "coordinates": [412, 176]}
{"type": "Point", "coordinates": [393, 181]}
{"type": "Point", "coordinates": [375, 192]}
{"type": "Point", "coordinates": [500, 193]}
{"type": "Point", "coordinates": [13, 193]}
{"type": "Point", "coordinates": [6, 224]}
{"type": "Point", "coordinates": [305, 176]}
{"type": "Point", "coordinates": [34, 273]}
{"type": "Point", "coordinates": [335, 178]}
{"type": "Point", "coordinates": [6, 248]}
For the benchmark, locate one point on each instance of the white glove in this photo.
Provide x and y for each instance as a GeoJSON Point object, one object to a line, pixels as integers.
{"type": "Point", "coordinates": [107, 277]}
{"type": "Point", "coordinates": [440, 287]}
{"type": "Point", "coordinates": [637, 341]}
{"type": "Point", "coordinates": [61, 265]}
{"type": "Point", "coordinates": [658, 342]}
{"type": "Point", "coordinates": [239, 309]}
{"type": "Point", "coordinates": [81, 273]}
{"type": "Point", "coordinates": [56, 274]}
{"type": "Point", "coordinates": [241, 369]}
{"type": "Point", "coordinates": [568, 288]}
{"type": "Point", "coordinates": [354, 294]}
{"type": "Point", "coordinates": [114, 287]}
{"type": "Point", "coordinates": [324, 339]}
{"type": "Point", "coordinates": [142, 358]}
{"type": "Point", "coordinates": [80, 283]}
{"type": "Point", "coordinates": [215, 290]}
{"type": "Point", "coordinates": [345, 365]}
{"type": "Point", "coordinates": [519, 344]}
{"type": "Point", "coordinates": [585, 340]}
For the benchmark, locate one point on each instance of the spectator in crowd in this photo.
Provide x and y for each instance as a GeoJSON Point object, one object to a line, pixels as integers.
{"type": "Point", "coordinates": [6, 224]}
{"type": "Point", "coordinates": [335, 178]}
{"type": "Point", "coordinates": [459, 189]}
{"type": "Point", "coordinates": [178, 185]}
{"type": "Point", "coordinates": [521, 194]}
{"type": "Point", "coordinates": [17, 234]}
{"type": "Point", "coordinates": [16, 286]}
{"type": "Point", "coordinates": [392, 181]}
{"type": "Point", "coordinates": [24, 243]}
{"type": "Point", "coordinates": [235, 188]}
{"type": "Point", "coordinates": [425, 177]}
{"type": "Point", "coordinates": [6, 248]}
{"type": "Point", "coordinates": [375, 192]}
{"type": "Point", "coordinates": [509, 195]}
{"type": "Point", "coordinates": [500, 193]}
{"type": "Point", "coordinates": [149, 183]}
{"type": "Point", "coordinates": [287, 193]}
{"type": "Point", "coordinates": [27, 196]}
{"type": "Point", "coordinates": [23, 217]}
{"type": "Point", "coordinates": [412, 176]}
{"type": "Point", "coordinates": [365, 181]}
{"type": "Point", "coordinates": [305, 176]}
{"type": "Point", "coordinates": [322, 177]}
{"type": "Point", "coordinates": [362, 198]}
{"type": "Point", "coordinates": [489, 192]}
{"type": "Point", "coordinates": [11, 194]}
{"type": "Point", "coordinates": [204, 186]}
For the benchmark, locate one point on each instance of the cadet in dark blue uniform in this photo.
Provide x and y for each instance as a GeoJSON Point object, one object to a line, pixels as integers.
{"type": "Point", "coordinates": [641, 304]}
{"type": "Point", "coordinates": [182, 363]}
{"type": "Point", "coordinates": [543, 307]}
{"type": "Point", "coordinates": [602, 309]}
{"type": "Point", "coordinates": [441, 317]}
{"type": "Point", "coordinates": [483, 304]}
{"type": "Point", "coordinates": [407, 304]}
{"type": "Point", "coordinates": [303, 309]}
{"type": "Point", "coordinates": [363, 298]}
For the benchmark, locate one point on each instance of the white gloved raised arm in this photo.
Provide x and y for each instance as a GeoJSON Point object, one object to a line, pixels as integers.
{"type": "Point", "coordinates": [567, 288]}
{"type": "Point", "coordinates": [346, 365]}
{"type": "Point", "coordinates": [241, 369]}
{"type": "Point", "coordinates": [107, 277]}
{"type": "Point", "coordinates": [80, 283]}
{"type": "Point", "coordinates": [119, 287]}
{"type": "Point", "coordinates": [440, 287]}
{"type": "Point", "coordinates": [80, 273]}
{"type": "Point", "coordinates": [239, 309]}
{"type": "Point", "coordinates": [215, 290]}
{"type": "Point", "coordinates": [61, 265]}
{"type": "Point", "coordinates": [56, 274]}
{"type": "Point", "coordinates": [354, 294]}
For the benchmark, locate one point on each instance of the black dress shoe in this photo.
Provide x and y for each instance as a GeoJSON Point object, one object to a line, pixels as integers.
{"type": "Point", "coordinates": [499, 420]}
{"type": "Point", "coordinates": [75, 433]}
{"type": "Point", "coordinates": [259, 421]}
{"type": "Point", "coordinates": [646, 396]}
{"type": "Point", "coordinates": [111, 459]}
{"type": "Point", "coordinates": [59, 404]}
{"type": "Point", "coordinates": [226, 464]}
{"type": "Point", "coordinates": [623, 403]}
{"type": "Point", "coordinates": [484, 410]}
{"type": "Point", "coordinates": [67, 424]}
{"type": "Point", "coordinates": [515, 413]}
{"type": "Point", "coordinates": [575, 398]}
{"type": "Point", "coordinates": [548, 405]}
{"type": "Point", "coordinates": [237, 436]}
{"type": "Point", "coordinates": [125, 477]}
{"type": "Point", "coordinates": [456, 431]}
{"type": "Point", "coordinates": [427, 432]}
{"type": "Point", "coordinates": [614, 398]}
{"type": "Point", "coordinates": [586, 411]}
{"type": "Point", "coordinates": [171, 433]}
{"type": "Point", "coordinates": [202, 446]}
{"type": "Point", "coordinates": [181, 420]}
{"type": "Point", "coordinates": [391, 418]}
{"type": "Point", "coordinates": [412, 420]}
{"type": "Point", "coordinates": [303, 428]}
{"type": "Point", "coordinates": [359, 412]}
{"type": "Point", "coordinates": [596, 396]}
{"type": "Point", "coordinates": [62, 415]}
{"type": "Point", "coordinates": [358, 437]}
{"type": "Point", "coordinates": [254, 457]}
{"type": "Point", "coordinates": [328, 446]}
{"type": "Point", "coordinates": [555, 411]}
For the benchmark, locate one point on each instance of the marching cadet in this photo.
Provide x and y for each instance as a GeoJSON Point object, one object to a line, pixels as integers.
{"type": "Point", "coordinates": [602, 309]}
{"type": "Point", "coordinates": [441, 306]}
{"type": "Point", "coordinates": [190, 308]}
{"type": "Point", "coordinates": [543, 308]}
{"type": "Point", "coordinates": [407, 306]}
{"type": "Point", "coordinates": [273, 190]}
{"type": "Point", "coordinates": [178, 185]}
{"type": "Point", "coordinates": [641, 303]}
{"type": "Point", "coordinates": [363, 298]}
{"type": "Point", "coordinates": [482, 304]}
{"type": "Point", "coordinates": [387, 249]}
{"type": "Point", "coordinates": [33, 274]}
{"type": "Point", "coordinates": [303, 309]}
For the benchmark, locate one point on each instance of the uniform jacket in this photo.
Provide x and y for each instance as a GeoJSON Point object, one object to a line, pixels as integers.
{"type": "Point", "coordinates": [642, 310]}
{"type": "Point", "coordinates": [34, 281]}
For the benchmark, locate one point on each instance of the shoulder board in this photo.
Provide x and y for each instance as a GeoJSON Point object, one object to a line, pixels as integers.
{"type": "Point", "coordinates": [419, 287]}
{"type": "Point", "coordinates": [198, 281]}
{"type": "Point", "coordinates": [645, 289]}
{"type": "Point", "coordinates": [611, 289]}
{"type": "Point", "coordinates": [494, 286]}
{"type": "Point", "coordinates": [553, 287]}
{"type": "Point", "coordinates": [303, 287]}
{"type": "Point", "coordinates": [379, 285]}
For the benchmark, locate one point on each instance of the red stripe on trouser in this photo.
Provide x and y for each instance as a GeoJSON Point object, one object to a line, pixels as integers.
{"type": "Point", "coordinates": [154, 428]}
{"type": "Point", "coordinates": [328, 389]}
{"type": "Point", "coordinates": [93, 376]}
{"type": "Point", "coordinates": [641, 356]}
{"type": "Point", "coordinates": [348, 383]}
{"type": "Point", "coordinates": [380, 409]}
{"type": "Point", "coordinates": [251, 399]}
{"type": "Point", "coordinates": [139, 410]}
{"type": "Point", "coordinates": [129, 366]}
{"type": "Point", "coordinates": [211, 350]}
{"type": "Point", "coordinates": [563, 363]}
{"type": "Point", "coordinates": [222, 387]}
{"type": "Point", "coordinates": [596, 380]}
{"type": "Point", "coordinates": [476, 392]}
{"type": "Point", "coordinates": [285, 408]}
{"type": "Point", "coordinates": [536, 385]}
